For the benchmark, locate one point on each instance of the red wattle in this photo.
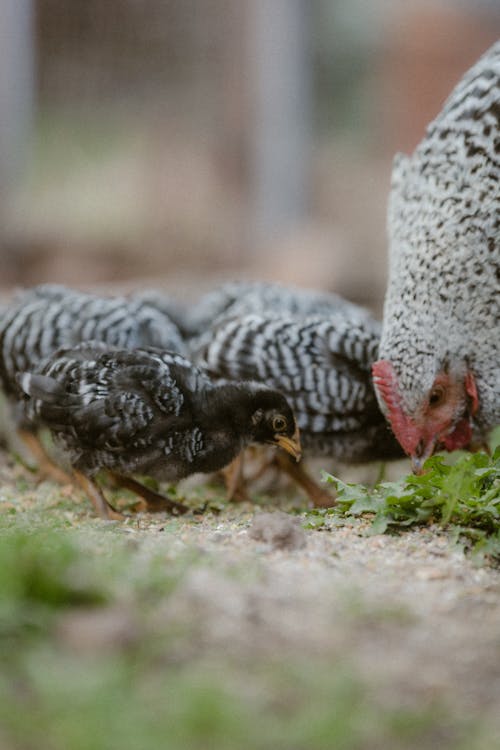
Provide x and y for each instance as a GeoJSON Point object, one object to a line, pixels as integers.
{"type": "Point", "coordinates": [385, 381]}
{"type": "Point", "coordinates": [460, 437]}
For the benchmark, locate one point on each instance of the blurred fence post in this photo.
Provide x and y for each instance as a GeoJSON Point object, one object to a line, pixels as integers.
{"type": "Point", "coordinates": [16, 88]}
{"type": "Point", "coordinates": [280, 128]}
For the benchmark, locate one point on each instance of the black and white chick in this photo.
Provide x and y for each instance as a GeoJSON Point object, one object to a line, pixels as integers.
{"type": "Point", "coordinates": [321, 363]}
{"type": "Point", "coordinates": [149, 411]}
{"type": "Point", "coordinates": [45, 318]}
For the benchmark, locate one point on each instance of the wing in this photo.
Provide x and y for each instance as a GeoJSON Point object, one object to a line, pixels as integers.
{"type": "Point", "coordinates": [104, 399]}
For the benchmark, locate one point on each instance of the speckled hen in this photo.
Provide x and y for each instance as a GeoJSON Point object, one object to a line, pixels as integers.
{"type": "Point", "coordinates": [438, 377]}
{"type": "Point", "coordinates": [149, 411]}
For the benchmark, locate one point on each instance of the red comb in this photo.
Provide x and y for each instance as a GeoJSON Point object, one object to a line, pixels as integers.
{"type": "Point", "coordinates": [386, 383]}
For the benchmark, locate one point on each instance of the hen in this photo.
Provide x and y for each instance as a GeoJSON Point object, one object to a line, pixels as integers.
{"type": "Point", "coordinates": [438, 377]}
{"type": "Point", "coordinates": [150, 412]}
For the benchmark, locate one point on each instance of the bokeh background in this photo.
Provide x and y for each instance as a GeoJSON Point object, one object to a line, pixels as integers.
{"type": "Point", "coordinates": [176, 143]}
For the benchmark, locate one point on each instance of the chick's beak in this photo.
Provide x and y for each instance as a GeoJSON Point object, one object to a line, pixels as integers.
{"type": "Point", "coordinates": [290, 445]}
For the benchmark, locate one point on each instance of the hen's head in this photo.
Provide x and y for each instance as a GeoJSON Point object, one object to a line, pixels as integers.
{"type": "Point", "coordinates": [442, 415]}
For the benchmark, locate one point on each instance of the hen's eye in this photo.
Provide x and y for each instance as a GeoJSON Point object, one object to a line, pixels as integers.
{"type": "Point", "coordinates": [279, 424]}
{"type": "Point", "coordinates": [437, 395]}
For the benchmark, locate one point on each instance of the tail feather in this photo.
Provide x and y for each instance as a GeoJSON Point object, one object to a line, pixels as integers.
{"type": "Point", "coordinates": [41, 387]}
{"type": "Point", "coordinates": [50, 402]}
{"type": "Point", "coordinates": [58, 409]}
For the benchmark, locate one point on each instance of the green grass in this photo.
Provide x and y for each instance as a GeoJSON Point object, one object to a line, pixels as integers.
{"type": "Point", "coordinates": [61, 702]}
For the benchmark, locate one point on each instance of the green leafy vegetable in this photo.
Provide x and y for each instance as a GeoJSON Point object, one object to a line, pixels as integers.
{"type": "Point", "coordinates": [465, 493]}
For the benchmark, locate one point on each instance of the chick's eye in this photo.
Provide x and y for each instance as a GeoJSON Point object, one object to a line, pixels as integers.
{"type": "Point", "coordinates": [279, 424]}
{"type": "Point", "coordinates": [437, 395]}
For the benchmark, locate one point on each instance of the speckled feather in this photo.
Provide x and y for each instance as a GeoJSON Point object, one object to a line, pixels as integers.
{"type": "Point", "coordinates": [442, 308]}
{"type": "Point", "coordinates": [321, 364]}
{"type": "Point", "coordinates": [145, 411]}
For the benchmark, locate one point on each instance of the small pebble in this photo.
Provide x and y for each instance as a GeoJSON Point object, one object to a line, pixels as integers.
{"type": "Point", "coordinates": [279, 530]}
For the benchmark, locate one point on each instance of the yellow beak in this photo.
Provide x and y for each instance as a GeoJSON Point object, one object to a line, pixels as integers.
{"type": "Point", "coordinates": [290, 445]}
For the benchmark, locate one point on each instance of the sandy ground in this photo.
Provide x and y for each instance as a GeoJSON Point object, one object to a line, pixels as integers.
{"type": "Point", "coordinates": [411, 613]}
{"type": "Point", "coordinates": [417, 618]}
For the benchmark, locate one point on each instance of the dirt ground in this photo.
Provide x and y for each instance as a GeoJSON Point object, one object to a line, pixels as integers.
{"type": "Point", "coordinates": [417, 619]}
{"type": "Point", "coordinates": [413, 615]}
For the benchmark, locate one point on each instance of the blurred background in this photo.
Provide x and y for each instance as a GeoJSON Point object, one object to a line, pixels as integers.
{"type": "Point", "coordinates": [176, 143]}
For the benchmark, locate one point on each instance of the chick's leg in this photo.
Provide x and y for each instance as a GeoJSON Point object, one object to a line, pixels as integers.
{"type": "Point", "coordinates": [233, 479]}
{"type": "Point", "coordinates": [319, 497]}
{"type": "Point", "coordinates": [46, 467]}
{"type": "Point", "coordinates": [95, 495]}
{"type": "Point", "coordinates": [155, 503]}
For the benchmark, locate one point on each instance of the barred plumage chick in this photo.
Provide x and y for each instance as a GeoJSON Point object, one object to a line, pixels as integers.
{"type": "Point", "coordinates": [149, 411]}
{"type": "Point", "coordinates": [48, 317]}
{"type": "Point", "coordinates": [322, 365]}
{"type": "Point", "coordinates": [438, 376]}
{"type": "Point", "coordinates": [45, 318]}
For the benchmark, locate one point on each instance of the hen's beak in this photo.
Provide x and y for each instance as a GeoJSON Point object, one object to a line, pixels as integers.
{"type": "Point", "coordinates": [290, 445]}
{"type": "Point", "coordinates": [422, 453]}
